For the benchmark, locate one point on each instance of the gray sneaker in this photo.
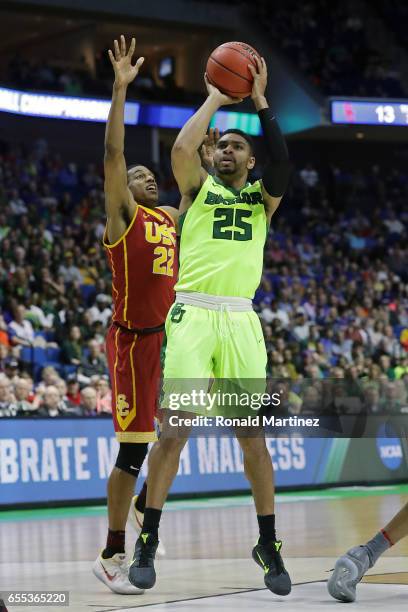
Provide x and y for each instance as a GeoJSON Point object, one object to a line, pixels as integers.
{"type": "Point", "coordinates": [142, 571]}
{"type": "Point", "coordinates": [348, 571]}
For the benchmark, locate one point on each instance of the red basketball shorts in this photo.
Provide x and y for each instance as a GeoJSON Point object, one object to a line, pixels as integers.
{"type": "Point", "coordinates": [134, 369]}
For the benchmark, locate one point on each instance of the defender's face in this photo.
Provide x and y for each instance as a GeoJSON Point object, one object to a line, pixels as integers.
{"type": "Point", "coordinates": [233, 155]}
{"type": "Point", "coordinates": [142, 184]}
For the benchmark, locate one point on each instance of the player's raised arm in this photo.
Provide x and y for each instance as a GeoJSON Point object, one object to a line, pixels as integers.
{"type": "Point", "coordinates": [185, 160]}
{"type": "Point", "coordinates": [117, 195]}
{"type": "Point", "coordinates": [277, 170]}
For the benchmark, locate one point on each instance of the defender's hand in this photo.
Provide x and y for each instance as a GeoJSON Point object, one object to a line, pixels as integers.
{"type": "Point", "coordinates": [222, 99]}
{"type": "Point", "coordinates": [208, 147]}
{"type": "Point", "coordinates": [260, 74]}
{"type": "Point", "coordinates": [125, 71]}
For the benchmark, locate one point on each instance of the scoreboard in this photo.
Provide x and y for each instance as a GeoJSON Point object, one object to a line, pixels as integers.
{"type": "Point", "coordinates": [369, 112]}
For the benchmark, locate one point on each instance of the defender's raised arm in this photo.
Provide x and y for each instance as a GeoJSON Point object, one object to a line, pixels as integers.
{"type": "Point", "coordinates": [118, 199]}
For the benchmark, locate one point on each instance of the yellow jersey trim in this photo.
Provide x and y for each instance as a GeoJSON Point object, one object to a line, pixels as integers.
{"type": "Point", "coordinates": [113, 283]}
{"type": "Point", "coordinates": [112, 246]}
{"type": "Point", "coordinates": [136, 436]}
{"type": "Point", "coordinates": [132, 366]}
{"type": "Point", "coordinates": [116, 362]}
{"type": "Point", "coordinates": [125, 256]}
{"type": "Point", "coordinates": [152, 212]}
{"type": "Point", "coordinates": [167, 215]}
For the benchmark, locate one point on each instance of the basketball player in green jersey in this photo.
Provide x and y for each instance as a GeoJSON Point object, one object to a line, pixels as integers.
{"type": "Point", "coordinates": [212, 328]}
{"type": "Point", "coordinates": [351, 567]}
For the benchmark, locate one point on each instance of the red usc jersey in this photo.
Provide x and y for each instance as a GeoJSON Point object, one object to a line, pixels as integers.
{"type": "Point", "coordinates": [144, 269]}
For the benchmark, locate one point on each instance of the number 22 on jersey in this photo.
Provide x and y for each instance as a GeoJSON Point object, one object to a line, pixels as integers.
{"type": "Point", "coordinates": [163, 262]}
{"type": "Point", "coordinates": [164, 253]}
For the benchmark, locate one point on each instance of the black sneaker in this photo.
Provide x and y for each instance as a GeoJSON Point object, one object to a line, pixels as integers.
{"type": "Point", "coordinates": [142, 572]}
{"type": "Point", "coordinates": [268, 557]}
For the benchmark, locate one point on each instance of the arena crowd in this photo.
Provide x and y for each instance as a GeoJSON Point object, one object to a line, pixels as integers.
{"type": "Point", "coordinates": [332, 301]}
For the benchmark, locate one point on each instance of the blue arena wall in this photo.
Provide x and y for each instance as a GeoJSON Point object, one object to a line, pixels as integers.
{"type": "Point", "coordinates": [50, 461]}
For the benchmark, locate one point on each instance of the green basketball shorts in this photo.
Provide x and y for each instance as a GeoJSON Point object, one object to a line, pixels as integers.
{"type": "Point", "coordinates": [212, 350]}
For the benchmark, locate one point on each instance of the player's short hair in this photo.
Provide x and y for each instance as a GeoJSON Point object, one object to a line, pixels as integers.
{"type": "Point", "coordinates": [132, 167]}
{"type": "Point", "coordinates": [245, 136]}
{"type": "Point", "coordinates": [141, 165]}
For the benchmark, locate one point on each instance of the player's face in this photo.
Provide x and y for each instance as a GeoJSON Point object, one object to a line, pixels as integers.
{"type": "Point", "coordinates": [233, 155]}
{"type": "Point", "coordinates": [142, 184]}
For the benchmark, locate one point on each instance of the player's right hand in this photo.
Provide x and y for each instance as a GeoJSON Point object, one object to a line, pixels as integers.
{"type": "Point", "coordinates": [221, 98]}
{"type": "Point", "coordinates": [125, 71]}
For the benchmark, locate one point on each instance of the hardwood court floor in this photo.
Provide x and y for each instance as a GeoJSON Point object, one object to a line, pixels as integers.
{"type": "Point", "coordinates": [208, 564]}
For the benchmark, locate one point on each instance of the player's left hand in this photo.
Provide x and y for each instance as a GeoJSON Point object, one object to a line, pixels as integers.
{"type": "Point", "coordinates": [260, 74]}
{"type": "Point", "coordinates": [121, 60]}
{"type": "Point", "coordinates": [208, 147]}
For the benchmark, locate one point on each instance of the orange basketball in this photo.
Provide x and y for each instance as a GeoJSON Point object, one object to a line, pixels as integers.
{"type": "Point", "coordinates": [227, 68]}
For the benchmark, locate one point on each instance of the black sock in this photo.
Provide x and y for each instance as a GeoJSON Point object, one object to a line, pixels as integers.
{"type": "Point", "coordinates": [151, 521]}
{"type": "Point", "coordinates": [140, 504]}
{"type": "Point", "coordinates": [115, 543]}
{"type": "Point", "coordinates": [266, 528]}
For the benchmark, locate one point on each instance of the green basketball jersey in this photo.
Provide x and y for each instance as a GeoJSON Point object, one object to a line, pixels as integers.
{"type": "Point", "coordinates": [222, 240]}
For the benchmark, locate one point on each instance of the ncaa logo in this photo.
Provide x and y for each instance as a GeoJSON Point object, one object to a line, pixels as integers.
{"type": "Point", "coordinates": [389, 447]}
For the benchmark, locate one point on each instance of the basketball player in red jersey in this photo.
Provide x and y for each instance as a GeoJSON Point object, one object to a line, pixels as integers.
{"type": "Point", "coordinates": [140, 241]}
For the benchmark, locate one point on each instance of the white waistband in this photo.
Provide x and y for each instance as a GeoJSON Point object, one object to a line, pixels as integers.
{"type": "Point", "coordinates": [214, 302]}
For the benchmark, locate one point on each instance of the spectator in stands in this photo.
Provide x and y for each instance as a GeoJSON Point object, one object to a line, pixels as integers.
{"type": "Point", "coordinates": [4, 336]}
{"type": "Point", "coordinates": [22, 393]}
{"type": "Point", "coordinates": [69, 272]}
{"type": "Point", "coordinates": [72, 348]}
{"type": "Point", "coordinates": [49, 376]}
{"type": "Point", "coordinates": [94, 362]}
{"type": "Point", "coordinates": [371, 401]}
{"type": "Point", "coordinates": [393, 224]}
{"type": "Point", "coordinates": [7, 399]}
{"type": "Point", "coordinates": [89, 401]}
{"type": "Point", "coordinates": [73, 390]}
{"type": "Point", "coordinates": [401, 368]}
{"type": "Point", "coordinates": [100, 311]}
{"type": "Point", "coordinates": [20, 330]}
{"type": "Point", "coordinates": [16, 204]}
{"type": "Point", "coordinates": [393, 400]}
{"type": "Point", "coordinates": [63, 390]}
{"type": "Point", "coordinates": [11, 369]}
{"type": "Point", "coordinates": [309, 176]}
{"type": "Point", "coordinates": [311, 400]}
{"type": "Point", "coordinates": [301, 327]}
{"type": "Point", "coordinates": [4, 353]}
{"type": "Point", "coordinates": [103, 395]}
{"type": "Point", "coordinates": [52, 405]}
{"type": "Point", "coordinates": [389, 343]}
{"type": "Point", "coordinates": [40, 313]}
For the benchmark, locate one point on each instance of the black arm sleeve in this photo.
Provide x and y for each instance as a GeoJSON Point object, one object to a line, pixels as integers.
{"type": "Point", "coordinates": [277, 171]}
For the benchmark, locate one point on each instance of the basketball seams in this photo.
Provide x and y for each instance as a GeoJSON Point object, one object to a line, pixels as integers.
{"type": "Point", "coordinates": [235, 67]}
{"type": "Point", "coordinates": [229, 70]}
{"type": "Point", "coordinates": [249, 50]}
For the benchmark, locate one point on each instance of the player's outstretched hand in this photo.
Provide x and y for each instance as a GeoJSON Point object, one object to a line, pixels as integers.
{"type": "Point", "coordinates": [221, 98]}
{"type": "Point", "coordinates": [260, 74]}
{"type": "Point", "coordinates": [208, 147]}
{"type": "Point", "coordinates": [125, 71]}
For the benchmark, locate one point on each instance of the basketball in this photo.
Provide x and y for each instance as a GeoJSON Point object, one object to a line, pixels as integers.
{"type": "Point", "coordinates": [227, 68]}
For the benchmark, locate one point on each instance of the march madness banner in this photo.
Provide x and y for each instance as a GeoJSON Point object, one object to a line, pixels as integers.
{"type": "Point", "coordinates": [48, 460]}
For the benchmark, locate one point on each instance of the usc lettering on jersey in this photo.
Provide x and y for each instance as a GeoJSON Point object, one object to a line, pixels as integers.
{"type": "Point", "coordinates": [144, 269]}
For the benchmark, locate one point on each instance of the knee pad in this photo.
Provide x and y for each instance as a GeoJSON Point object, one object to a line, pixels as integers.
{"type": "Point", "coordinates": [130, 457]}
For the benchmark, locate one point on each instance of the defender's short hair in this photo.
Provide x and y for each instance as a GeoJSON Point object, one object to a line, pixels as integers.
{"type": "Point", "coordinates": [132, 166]}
